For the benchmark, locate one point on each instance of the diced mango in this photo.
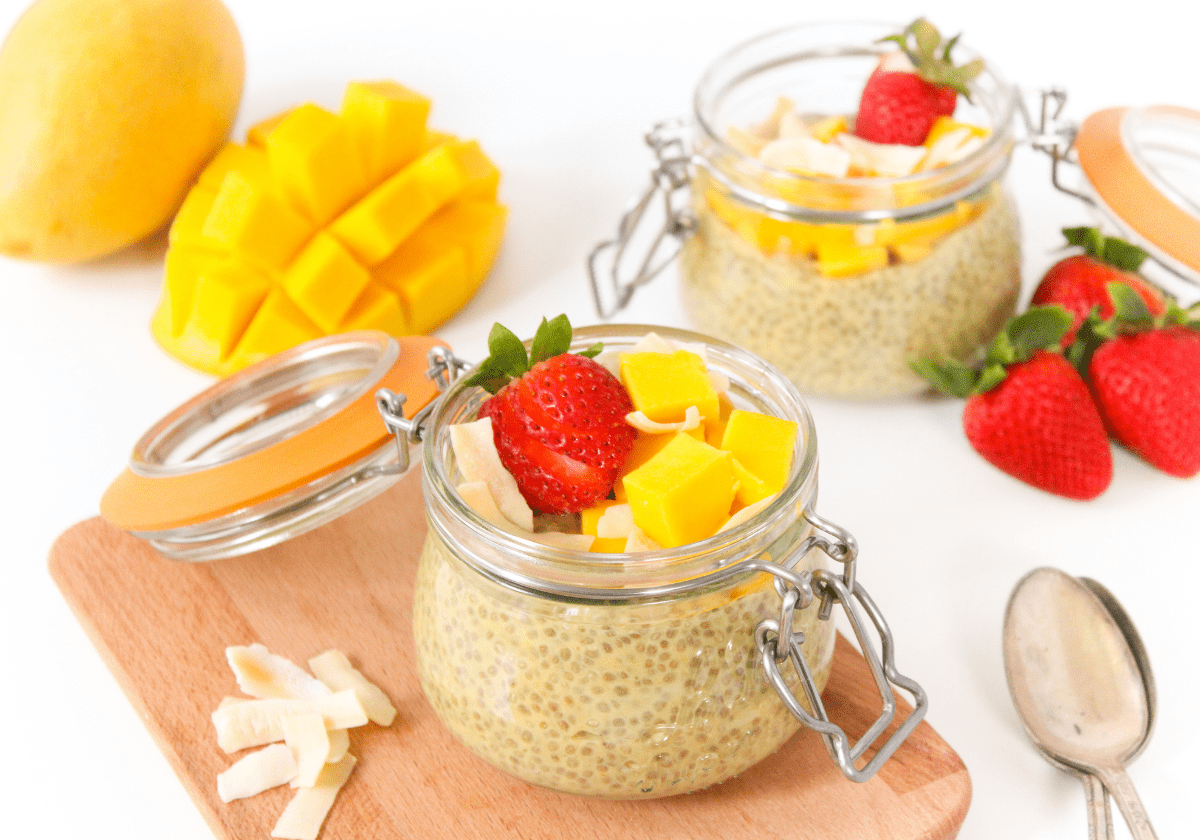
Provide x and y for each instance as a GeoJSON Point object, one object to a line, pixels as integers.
{"type": "Point", "coordinates": [377, 309]}
{"type": "Point", "coordinates": [763, 446]}
{"type": "Point", "coordinates": [259, 132]}
{"type": "Point", "coordinates": [590, 516]}
{"type": "Point", "coordinates": [944, 125]}
{"type": "Point", "coordinates": [911, 252]}
{"type": "Point", "coordinates": [836, 260]}
{"type": "Point", "coordinates": [387, 123]}
{"type": "Point", "coordinates": [226, 296]}
{"type": "Point", "coordinates": [404, 256]}
{"type": "Point", "coordinates": [683, 493]}
{"type": "Point", "coordinates": [324, 281]}
{"type": "Point", "coordinates": [750, 488]}
{"type": "Point", "coordinates": [602, 545]}
{"type": "Point", "coordinates": [316, 163]}
{"type": "Point", "coordinates": [248, 160]}
{"type": "Point", "coordinates": [375, 226]}
{"type": "Point", "coordinates": [252, 221]}
{"type": "Point", "coordinates": [189, 221]}
{"type": "Point", "coordinates": [277, 325]}
{"type": "Point", "coordinates": [714, 430]}
{"type": "Point", "coordinates": [663, 385]}
{"type": "Point", "coordinates": [825, 129]}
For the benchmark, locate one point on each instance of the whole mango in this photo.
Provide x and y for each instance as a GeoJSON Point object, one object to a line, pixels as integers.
{"type": "Point", "coordinates": [109, 109]}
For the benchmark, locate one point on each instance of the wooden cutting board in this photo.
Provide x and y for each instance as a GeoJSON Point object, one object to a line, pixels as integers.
{"type": "Point", "coordinates": [162, 627]}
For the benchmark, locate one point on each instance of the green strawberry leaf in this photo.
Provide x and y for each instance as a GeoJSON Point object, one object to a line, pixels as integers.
{"type": "Point", "coordinates": [553, 338]}
{"type": "Point", "coordinates": [1128, 306]}
{"type": "Point", "coordinates": [1001, 351]}
{"type": "Point", "coordinates": [1108, 249]}
{"type": "Point", "coordinates": [951, 378]}
{"type": "Point", "coordinates": [1038, 328]}
{"type": "Point", "coordinates": [989, 378]}
{"type": "Point", "coordinates": [593, 351]}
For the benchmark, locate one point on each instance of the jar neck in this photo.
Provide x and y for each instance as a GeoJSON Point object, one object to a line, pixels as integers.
{"type": "Point", "coordinates": [526, 564]}
{"type": "Point", "coordinates": [822, 68]}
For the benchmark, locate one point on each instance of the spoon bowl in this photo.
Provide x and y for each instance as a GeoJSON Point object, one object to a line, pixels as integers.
{"type": "Point", "coordinates": [1084, 696]}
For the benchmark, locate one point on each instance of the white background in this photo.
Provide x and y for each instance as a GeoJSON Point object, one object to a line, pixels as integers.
{"type": "Point", "coordinates": [559, 94]}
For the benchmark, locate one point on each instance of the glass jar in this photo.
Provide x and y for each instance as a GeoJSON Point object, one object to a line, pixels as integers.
{"type": "Point", "coordinates": [629, 676]}
{"type": "Point", "coordinates": [839, 282]}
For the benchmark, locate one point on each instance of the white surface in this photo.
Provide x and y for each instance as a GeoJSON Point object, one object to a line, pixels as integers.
{"type": "Point", "coordinates": [559, 93]}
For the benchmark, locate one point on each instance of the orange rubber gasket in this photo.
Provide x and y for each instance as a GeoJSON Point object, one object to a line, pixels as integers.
{"type": "Point", "coordinates": [149, 504]}
{"type": "Point", "coordinates": [1128, 192]}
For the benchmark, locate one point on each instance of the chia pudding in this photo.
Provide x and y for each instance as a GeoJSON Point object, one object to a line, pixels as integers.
{"type": "Point", "coordinates": [853, 336]}
{"type": "Point", "coordinates": [623, 676]}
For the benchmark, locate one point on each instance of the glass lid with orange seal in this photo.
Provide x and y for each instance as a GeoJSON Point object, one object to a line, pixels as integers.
{"type": "Point", "coordinates": [280, 447]}
{"type": "Point", "coordinates": [1138, 169]}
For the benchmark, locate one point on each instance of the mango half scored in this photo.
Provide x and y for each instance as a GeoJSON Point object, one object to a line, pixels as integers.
{"type": "Point", "coordinates": [323, 223]}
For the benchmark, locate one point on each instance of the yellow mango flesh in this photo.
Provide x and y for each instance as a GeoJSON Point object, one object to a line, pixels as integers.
{"type": "Point", "coordinates": [664, 385]}
{"type": "Point", "coordinates": [683, 493]}
{"type": "Point", "coordinates": [762, 448]}
{"type": "Point", "coordinates": [109, 109]}
{"type": "Point", "coordinates": [324, 223]}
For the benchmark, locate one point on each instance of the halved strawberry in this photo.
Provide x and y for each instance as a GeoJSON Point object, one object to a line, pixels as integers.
{"type": "Point", "coordinates": [558, 419]}
{"type": "Point", "coordinates": [901, 106]}
{"type": "Point", "coordinates": [1080, 282]}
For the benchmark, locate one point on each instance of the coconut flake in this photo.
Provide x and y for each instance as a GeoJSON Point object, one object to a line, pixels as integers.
{"type": "Point", "coordinates": [478, 460]}
{"type": "Point", "coordinates": [806, 154]}
{"type": "Point", "coordinates": [616, 523]}
{"type": "Point", "coordinates": [303, 816]}
{"type": "Point", "coordinates": [888, 160]}
{"type": "Point", "coordinates": [334, 669]}
{"type": "Point", "coordinates": [260, 770]}
{"type": "Point", "coordinates": [639, 420]}
{"type": "Point", "coordinates": [262, 674]}
{"type": "Point", "coordinates": [747, 513]}
{"type": "Point", "coordinates": [640, 541]}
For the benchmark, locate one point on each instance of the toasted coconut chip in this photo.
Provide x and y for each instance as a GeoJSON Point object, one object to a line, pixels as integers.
{"type": "Point", "coordinates": [302, 818]}
{"type": "Point", "coordinates": [478, 460]}
{"type": "Point", "coordinates": [258, 722]}
{"type": "Point", "coordinates": [260, 770]}
{"type": "Point", "coordinates": [652, 342]}
{"type": "Point", "coordinates": [768, 129]}
{"type": "Point", "coordinates": [334, 669]}
{"type": "Point", "coordinates": [640, 541]}
{"type": "Point", "coordinates": [308, 740]}
{"type": "Point", "coordinates": [639, 421]}
{"type": "Point", "coordinates": [610, 360]}
{"type": "Point", "coordinates": [571, 542]}
{"type": "Point", "coordinates": [743, 141]}
{"type": "Point", "coordinates": [476, 495]}
{"type": "Point", "coordinates": [616, 523]}
{"type": "Point", "coordinates": [262, 674]}
{"type": "Point", "coordinates": [747, 513]}
{"type": "Point", "coordinates": [720, 381]}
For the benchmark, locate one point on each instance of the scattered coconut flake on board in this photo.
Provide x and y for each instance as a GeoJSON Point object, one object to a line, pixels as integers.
{"type": "Point", "coordinates": [313, 754]}
{"type": "Point", "coordinates": [334, 669]}
{"type": "Point", "coordinates": [304, 815]}
{"type": "Point", "coordinates": [260, 770]}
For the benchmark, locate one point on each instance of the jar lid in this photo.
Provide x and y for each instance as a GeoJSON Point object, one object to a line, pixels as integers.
{"type": "Point", "coordinates": [273, 450]}
{"type": "Point", "coordinates": [1144, 166]}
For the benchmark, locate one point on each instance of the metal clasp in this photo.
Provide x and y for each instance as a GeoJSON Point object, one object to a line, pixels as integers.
{"type": "Point", "coordinates": [1052, 135]}
{"type": "Point", "coordinates": [669, 180]}
{"type": "Point", "coordinates": [778, 643]}
{"type": "Point", "coordinates": [444, 368]}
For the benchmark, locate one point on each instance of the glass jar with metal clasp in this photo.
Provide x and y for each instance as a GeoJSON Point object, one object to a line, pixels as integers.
{"type": "Point", "coordinates": [634, 676]}
{"type": "Point", "coordinates": [837, 281]}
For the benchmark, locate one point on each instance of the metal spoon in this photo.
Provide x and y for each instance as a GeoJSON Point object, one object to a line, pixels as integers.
{"type": "Point", "coordinates": [1084, 695]}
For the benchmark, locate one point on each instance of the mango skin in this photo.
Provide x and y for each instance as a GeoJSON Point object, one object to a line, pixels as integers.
{"type": "Point", "coordinates": [109, 109]}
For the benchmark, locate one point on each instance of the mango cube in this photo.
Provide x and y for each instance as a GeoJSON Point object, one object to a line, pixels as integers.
{"type": "Point", "coordinates": [683, 493]}
{"type": "Point", "coordinates": [225, 298]}
{"type": "Point", "coordinates": [377, 309]}
{"type": "Point", "coordinates": [258, 133]}
{"type": "Point", "coordinates": [387, 123]}
{"type": "Point", "coordinates": [189, 221]}
{"type": "Point", "coordinates": [763, 447]}
{"type": "Point", "coordinates": [315, 162]}
{"type": "Point", "coordinates": [663, 385]}
{"type": "Point", "coordinates": [277, 325]}
{"type": "Point", "coordinates": [248, 160]}
{"type": "Point", "coordinates": [375, 226]}
{"type": "Point", "coordinates": [840, 260]}
{"type": "Point", "coordinates": [183, 266]}
{"type": "Point", "coordinates": [431, 285]}
{"type": "Point", "coordinates": [324, 281]}
{"type": "Point", "coordinates": [251, 220]}
{"type": "Point", "coordinates": [477, 226]}
{"type": "Point", "coordinates": [714, 430]}
{"type": "Point", "coordinates": [482, 176]}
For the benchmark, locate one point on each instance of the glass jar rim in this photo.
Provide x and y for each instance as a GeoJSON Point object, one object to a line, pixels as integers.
{"type": "Point", "coordinates": [573, 574]}
{"type": "Point", "coordinates": [982, 166]}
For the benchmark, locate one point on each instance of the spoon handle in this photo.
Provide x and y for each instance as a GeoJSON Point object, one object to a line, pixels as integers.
{"type": "Point", "coordinates": [1123, 793]}
{"type": "Point", "coordinates": [1098, 811]}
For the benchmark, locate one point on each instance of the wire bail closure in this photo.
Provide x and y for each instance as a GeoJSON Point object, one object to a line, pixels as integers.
{"type": "Point", "coordinates": [778, 643]}
{"type": "Point", "coordinates": [444, 369]}
{"type": "Point", "coordinates": [669, 180]}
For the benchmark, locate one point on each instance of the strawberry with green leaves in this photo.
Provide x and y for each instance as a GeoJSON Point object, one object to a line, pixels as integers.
{"type": "Point", "coordinates": [1028, 411]}
{"type": "Point", "coordinates": [558, 418]}
{"type": "Point", "coordinates": [900, 106]}
{"type": "Point", "coordinates": [1144, 372]}
{"type": "Point", "coordinates": [1080, 282]}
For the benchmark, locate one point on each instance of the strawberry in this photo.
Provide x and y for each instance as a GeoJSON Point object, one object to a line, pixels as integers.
{"type": "Point", "coordinates": [901, 106]}
{"type": "Point", "coordinates": [1028, 411]}
{"type": "Point", "coordinates": [1144, 373]}
{"type": "Point", "coordinates": [558, 419]}
{"type": "Point", "coordinates": [1080, 282]}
